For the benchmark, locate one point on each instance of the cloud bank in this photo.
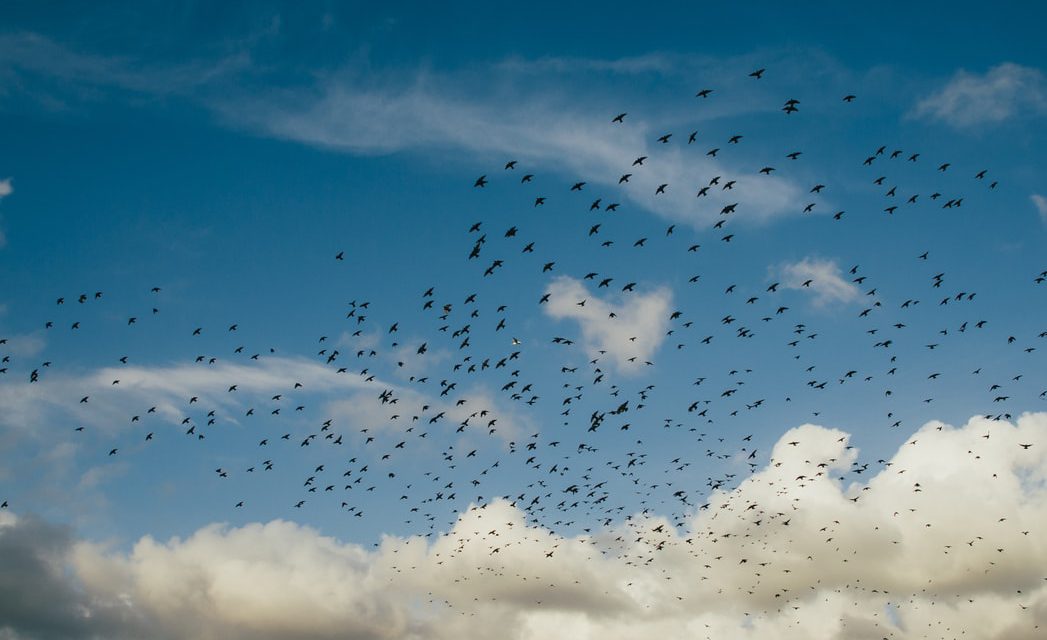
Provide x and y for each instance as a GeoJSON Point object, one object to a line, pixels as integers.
{"type": "Point", "coordinates": [948, 535]}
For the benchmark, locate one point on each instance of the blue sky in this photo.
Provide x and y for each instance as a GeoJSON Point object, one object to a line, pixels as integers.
{"type": "Point", "coordinates": [226, 156]}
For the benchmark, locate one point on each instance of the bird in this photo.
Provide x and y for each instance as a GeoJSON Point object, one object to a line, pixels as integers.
{"type": "Point", "coordinates": [653, 454]}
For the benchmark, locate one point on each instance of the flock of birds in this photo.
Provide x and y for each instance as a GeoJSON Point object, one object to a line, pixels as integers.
{"type": "Point", "coordinates": [597, 470]}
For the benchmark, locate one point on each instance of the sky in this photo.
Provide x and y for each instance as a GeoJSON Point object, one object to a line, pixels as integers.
{"type": "Point", "coordinates": [468, 321]}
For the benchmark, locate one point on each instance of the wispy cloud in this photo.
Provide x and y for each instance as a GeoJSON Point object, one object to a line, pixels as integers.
{"type": "Point", "coordinates": [82, 75]}
{"type": "Point", "coordinates": [1040, 202]}
{"type": "Point", "coordinates": [822, 278]}
{"type": "Point", "coordinates": [231, 389]}
{"type": "Point", "coordinates": [790, 553]}
{"type": "Point", "coordinates": [651, 63]}
{"type": "Point", "coordinates": [112, 404]}
{"type": "Point", "coordinates": [5, 190]}
{"type": "Point", "coordinates": [553, 131]}
{"type": "Point", "coordinates": [628, 329]}
{"type": "Point", "coordinates": [25, 345]}
{"type": "Point", "coordinates": [1006, 91]}
{"type": "Point", "coordinates": [367, 409]}
{"type": "Point", "coordinates": [487, 112]}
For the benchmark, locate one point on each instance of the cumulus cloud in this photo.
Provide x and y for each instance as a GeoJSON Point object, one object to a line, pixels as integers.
{"type": "Point", "coordinates": [947, 533]}
{"type": "Point", "coordinates": [1003, 92]}
{"type": "Point", "coordinates": [628, 330]}
{"type": "Point", "coordinates": [822, 278]}
{"type": "Point", "coordinates": [37, 598]}
{"type": "Point", "coordinates": [1040, 203]}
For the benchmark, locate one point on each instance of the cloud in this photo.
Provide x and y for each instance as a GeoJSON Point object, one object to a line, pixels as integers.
{"type": "Point", "coordinates": [168, 388]}
{"type": "Point", "coordinates": [947, 533]}
{"type": "Point", "coordinates": [488, 111]}
{"type": "Point", "coordinates": [628, 331]}
{"type": "Point", "coordinates": [461, 409]}
{"type": "Point", "coordinates": [38, 600]}
{"type": "Point", "coordinates": [1006, 91]}
{"type": "Point", "coordinates": [650, 63]}
{"type": "Point", "coordinates": [822, 278]}
{"type": "Point", "coordinates": [1041, 205]}
{"type": "Point", "coordinates": [25, 345]}
{"type": "Point", "coordinates": [557, 130]}
{"type": "Point", "coordinates": [5, 190]}
{"type": "Point", "coordinates": [32, 409]}
{"type": "Point", "coordinates": [82, 73]}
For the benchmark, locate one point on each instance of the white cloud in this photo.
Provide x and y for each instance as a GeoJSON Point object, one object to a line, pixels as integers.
{"type": "Point", "coordinates": [1041, 205]}
{"type": "Point", "coordinates": [368, 410]}
{"type": "Point", "coordinates": [349, 397]}
{"type": "Point", "coordinates": [629, 331]}
{"type": "Point", "coordinates": [5, 190]}
{"type": "Point", "coordinates": [374, 113]}
{"type": "Point", "coordinates": [947, 534]}
{"type": "Point", "coordinates": [821, 277]}
{"type": "Point", "coordinates": [168, 388]}
{"type": "Point", "coordinates": [1005, 91]}
{"type": "Point", "coordinates": [552, 131]}
{"type": "Point", "coordinates": [25, 345]}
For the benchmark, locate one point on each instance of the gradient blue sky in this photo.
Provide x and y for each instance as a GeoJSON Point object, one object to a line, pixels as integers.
{"type": "Point", "coordinates": [226, 154]}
